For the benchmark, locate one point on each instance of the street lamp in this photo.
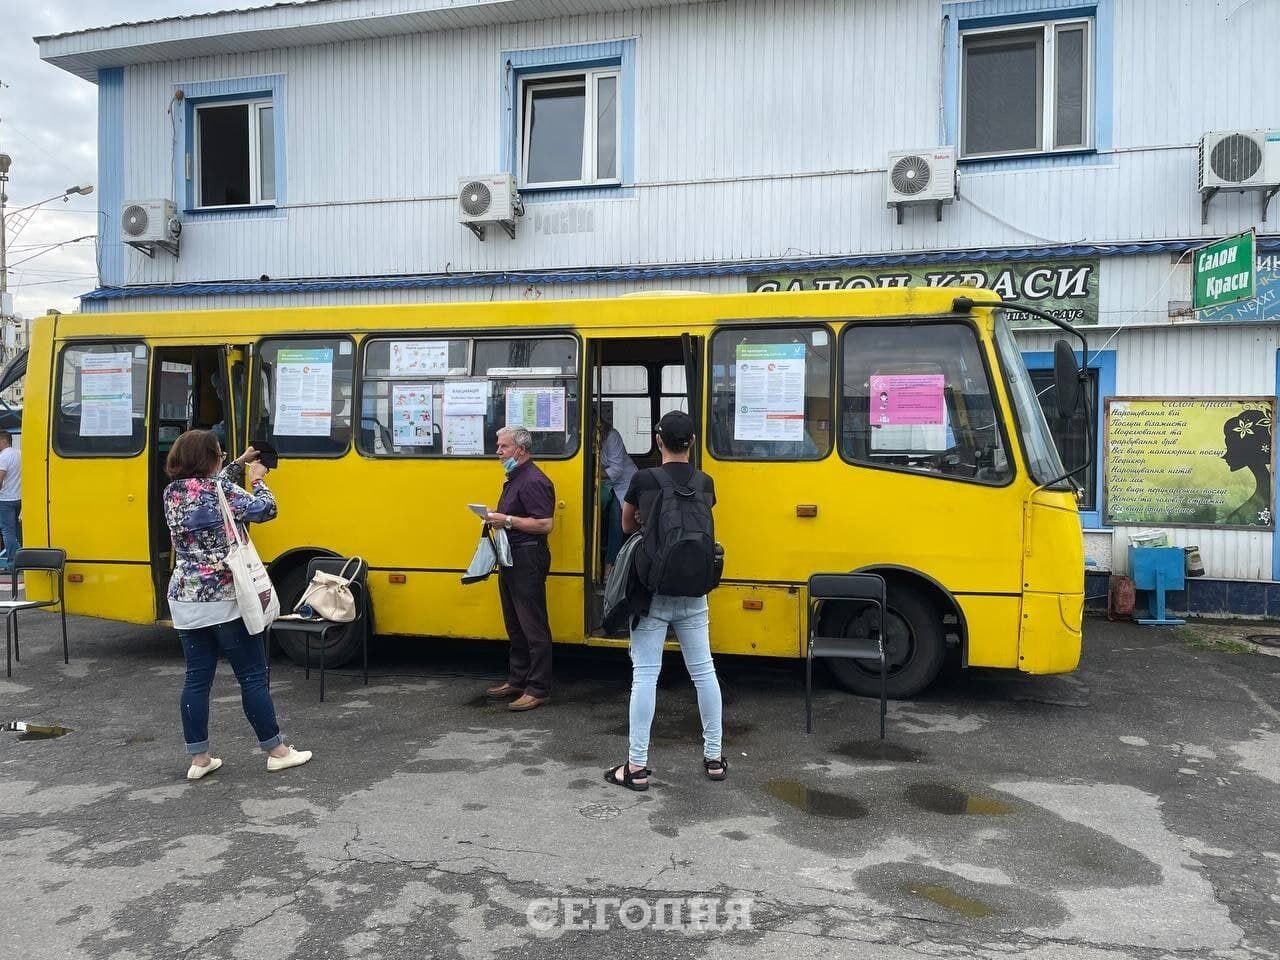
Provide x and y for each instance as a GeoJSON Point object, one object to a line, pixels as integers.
{"type": "Point", "coordinates": [5, 163]}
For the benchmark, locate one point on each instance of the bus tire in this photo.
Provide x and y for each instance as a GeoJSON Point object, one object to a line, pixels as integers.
{"type": "Point", "coordinates": [915, 645]}
{"type": "Point", "coordinates": [342, 643]}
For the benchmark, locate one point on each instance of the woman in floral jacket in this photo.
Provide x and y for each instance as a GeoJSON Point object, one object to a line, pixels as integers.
{"type": "Point", "coordinates": [202, 595]}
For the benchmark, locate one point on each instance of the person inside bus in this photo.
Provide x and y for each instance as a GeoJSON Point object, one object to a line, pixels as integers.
{"type": "Point", "coordinates": [618, 469]}
{"type": "Point", "coordinates": [526, 511]}
{"type": "Point", "coordinates": [687, 615]}
{"type": "Point", "coordinates": [202, 594]}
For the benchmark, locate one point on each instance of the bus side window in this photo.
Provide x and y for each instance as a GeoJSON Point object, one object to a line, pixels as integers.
{"type": "Point", "coordinates": [102, 399]}
{"type": "Point", "coordinates": [303, 398]}
{"type": "Point", "coordinates": [919, 398]}
{"type": "Point", "coordinates": [771, 393]}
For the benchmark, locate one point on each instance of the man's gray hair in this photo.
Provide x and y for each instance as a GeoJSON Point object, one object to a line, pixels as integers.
{"type": "Point", "coordinates": [521, 437]}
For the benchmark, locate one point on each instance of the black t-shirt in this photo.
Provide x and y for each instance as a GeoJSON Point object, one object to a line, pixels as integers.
{"type": "Point", "coordinates": [645, 482]}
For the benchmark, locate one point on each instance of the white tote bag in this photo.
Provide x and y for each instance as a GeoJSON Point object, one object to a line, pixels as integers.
{"type": "Point", "coordinates": [255, 595]}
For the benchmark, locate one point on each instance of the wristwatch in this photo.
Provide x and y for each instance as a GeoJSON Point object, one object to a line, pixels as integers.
{"type": "Point", "coordinates": [507, 524]}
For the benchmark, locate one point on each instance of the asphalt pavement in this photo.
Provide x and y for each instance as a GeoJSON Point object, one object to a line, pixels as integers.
{"type": "Point", "coordinates": [1131, 809]}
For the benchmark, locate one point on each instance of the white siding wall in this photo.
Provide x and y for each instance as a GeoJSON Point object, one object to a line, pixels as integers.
{"type": "Point", "coordinates": [761, 131]}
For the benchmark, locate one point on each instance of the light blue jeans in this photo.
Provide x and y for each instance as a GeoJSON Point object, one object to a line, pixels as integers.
{"type": "Point", "coordinates": [689, 617]}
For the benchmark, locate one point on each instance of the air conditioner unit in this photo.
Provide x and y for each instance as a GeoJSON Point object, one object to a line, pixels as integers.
{"type": "Point", "coordinates": [1240, 160]}
{"type": "Point", "coordinates": [489, 199]}
{"type": "Point", "coordinates": [921, 176]}
{"type": "Point", "coordinates": [148, 224]}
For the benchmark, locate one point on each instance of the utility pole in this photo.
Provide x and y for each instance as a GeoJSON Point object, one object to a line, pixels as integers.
{"type": "Point", "coordinates": [5, 161]}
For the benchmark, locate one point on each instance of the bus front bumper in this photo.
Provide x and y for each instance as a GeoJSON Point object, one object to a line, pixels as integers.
{"type": "Point", "coordinates": [1051, 631]}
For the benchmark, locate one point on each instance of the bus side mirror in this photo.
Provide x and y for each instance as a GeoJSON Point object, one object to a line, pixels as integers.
{"type": "Point", "coordinates": [1066, 379]}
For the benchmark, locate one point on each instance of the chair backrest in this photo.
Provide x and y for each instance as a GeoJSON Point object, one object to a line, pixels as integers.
{"type": "Point", "coordinates": [358, 572]}
{"type": "Point", "coordinates": [52, 559]}
{"type": "Point", "coordinates": [847, 586]}
{"type": "Point", "coordinates": [40, 558]}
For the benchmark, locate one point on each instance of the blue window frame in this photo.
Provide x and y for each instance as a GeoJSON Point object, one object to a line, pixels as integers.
{"type": "Point", "coordinates": [1027, 84]}
{"type": "Point", "coordinates": [1102, 370]}
{"type": "Point", "coordinates": [229, 148]}
{"type": "Point", "coordinates": [568, 125]}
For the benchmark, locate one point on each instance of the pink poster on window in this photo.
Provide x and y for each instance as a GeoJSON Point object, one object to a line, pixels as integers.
{"type": "Point", "coordinates": [908, 398]}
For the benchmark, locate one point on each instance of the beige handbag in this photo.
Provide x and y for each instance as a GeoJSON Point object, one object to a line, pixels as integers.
{"type": "Point", "coordinates": [329, 595]}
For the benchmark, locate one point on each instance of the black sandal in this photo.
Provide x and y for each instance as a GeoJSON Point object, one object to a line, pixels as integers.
{"type": "Point", "coordinates": [716, 769]}
{"type": "Point", "coordinates": [628, 777]}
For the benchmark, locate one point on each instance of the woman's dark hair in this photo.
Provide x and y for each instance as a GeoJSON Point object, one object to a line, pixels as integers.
{"type": "Point", "coordinates": [676, 430]}
{"type": "Point", "coordinates": [194, 454]}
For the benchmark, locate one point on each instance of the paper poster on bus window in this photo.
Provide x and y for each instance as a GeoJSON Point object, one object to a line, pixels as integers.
{"type": "Point", "coordinates": [304, 393]}
{"type": "Point", "coordinates": [770, 392]}
{"type": "Point", "coordinates": [411, 416]}
{"type": "Point", "coordinates": [463, 435]}
{"type": "Point", "coordinates": [908, 412]}
{"type": "Point", "coordinates": [419, 358]}
{"type": "Point", "coordinates": [537, 409]}
{"type": "Point", "coordinates": [466, 398]}
{"type": "Point", "coordinates": [106, 395]}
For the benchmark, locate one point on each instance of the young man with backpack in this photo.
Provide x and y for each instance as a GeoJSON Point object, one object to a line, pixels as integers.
{"type": "Point", "coordinates": [677, 565]}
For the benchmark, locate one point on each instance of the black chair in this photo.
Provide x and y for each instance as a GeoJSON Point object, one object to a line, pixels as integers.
{"type": "Point", "coordinates": [50, 560]}
{"type": "Point", "coordinates": [865, 588]}
{"type": "Point", "coordinates": [321, 628]}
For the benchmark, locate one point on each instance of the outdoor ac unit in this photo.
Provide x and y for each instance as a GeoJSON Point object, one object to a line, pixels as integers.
{"type": "Point", "coordinates": [147, 224]}
{"type": "Point", "coordinates": [1240, 160]}
{"type": "Point", "coordinates": [489, 199]}
{"type": "Point", "coordinates": [921, 176]}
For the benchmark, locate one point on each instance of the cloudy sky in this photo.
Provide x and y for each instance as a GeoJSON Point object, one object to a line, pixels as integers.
{"type": "Point", "coordinates": [48, 125]}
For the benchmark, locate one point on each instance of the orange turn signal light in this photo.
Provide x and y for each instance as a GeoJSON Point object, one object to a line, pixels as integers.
{"type": "Point", "coordinates": [75, 578]}
{"type": "Point", "coordinates": [806, 509]}
{"type": "Point", "coordinates": [397, 578]}
{"type": "Point", "coordinates": [752, 604]}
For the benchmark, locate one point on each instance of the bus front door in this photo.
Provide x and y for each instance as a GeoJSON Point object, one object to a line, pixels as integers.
{"type": "Point", "coordinates": [194, 387]}
{"type": "Point", "coordinates": [631, 383]}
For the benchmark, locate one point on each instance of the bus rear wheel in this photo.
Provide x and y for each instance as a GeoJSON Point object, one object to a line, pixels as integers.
{"type": "Point", "coordinates": [915, 645]}
{"type": "Point", "coordinates": [342, 643]}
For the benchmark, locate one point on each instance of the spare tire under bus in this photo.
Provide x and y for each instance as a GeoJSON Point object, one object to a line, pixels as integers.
{"type": "Point", "coordinates": [915, 644]}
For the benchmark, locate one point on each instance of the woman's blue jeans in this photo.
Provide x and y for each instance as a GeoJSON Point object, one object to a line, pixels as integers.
{"type": "Point", "coordinates": [691, 622]}
{"type": "Point", "coordinates": [248, 661]}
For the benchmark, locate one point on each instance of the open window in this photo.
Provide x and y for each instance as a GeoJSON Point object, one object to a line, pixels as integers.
{"type": "Point", "coordinates": [235, 153]}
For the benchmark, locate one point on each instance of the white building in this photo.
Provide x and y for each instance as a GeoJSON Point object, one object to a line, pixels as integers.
{"type": "Point", "coordinates": [313, 152]}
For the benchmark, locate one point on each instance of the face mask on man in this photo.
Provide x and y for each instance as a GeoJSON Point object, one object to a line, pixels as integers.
{"type": "Point", "coordinates": [510, 464]}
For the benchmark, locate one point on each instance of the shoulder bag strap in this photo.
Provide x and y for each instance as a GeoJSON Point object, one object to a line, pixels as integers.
{"type": "Point", "coordinates": [227, 516]}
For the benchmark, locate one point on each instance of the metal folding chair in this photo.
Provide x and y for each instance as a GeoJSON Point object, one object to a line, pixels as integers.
{"type": "Point", "coordinates": [865, 588]}
{"type": "Point", "coordinates": [51, 560]}
{"type": "Point", "coordinates": [322, 628]}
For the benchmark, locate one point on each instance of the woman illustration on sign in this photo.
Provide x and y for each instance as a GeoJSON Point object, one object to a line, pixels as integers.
{"type": "Point", "coordinates": [1248, 440]}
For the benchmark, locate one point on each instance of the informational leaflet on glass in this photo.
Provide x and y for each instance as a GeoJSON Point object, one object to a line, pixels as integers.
{"type": "Point", "coordinates": [770, 392]}
{"type": "Point", "coordinates": [908, 412]}
{"type": "Point", "coordinates": [537, 409]}
{"type": "Point", "coordinates": [106, 395]}
{"type": "Point", "coordinates": [466, 398]}
{"type": "Point", "coordinates": [304, 393]}
{"type": "Point", "coordinates": [463, 436]}
{"type": "Point", "coordinates": [419, 358]}
{"type": "Point", "coordinates": [411, 421]}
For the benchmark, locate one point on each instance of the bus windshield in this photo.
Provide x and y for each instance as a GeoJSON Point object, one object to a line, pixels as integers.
{"type": "Point", "coordinates": [1042, 456]}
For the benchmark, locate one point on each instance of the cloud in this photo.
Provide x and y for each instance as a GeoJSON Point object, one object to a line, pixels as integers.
{"type": "Point", "coordinates": [49, 126]}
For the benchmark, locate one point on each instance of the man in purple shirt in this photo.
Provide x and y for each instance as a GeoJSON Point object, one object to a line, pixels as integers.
{"type": "Point", "coordinates": [526, 511]}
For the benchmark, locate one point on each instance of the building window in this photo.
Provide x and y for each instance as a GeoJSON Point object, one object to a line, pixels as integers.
{"type": "Point", "coordinates": [1027, 89]}
{"type": "Point", "coordinates": [235, 153]}
{"type": "Point", "coordinates": [570, 128]}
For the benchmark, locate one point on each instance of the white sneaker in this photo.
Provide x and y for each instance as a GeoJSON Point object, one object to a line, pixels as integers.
{"type": "Point", "coordinates": [294, 758]}
{"type": "Point", "coordinates": [195, 773]}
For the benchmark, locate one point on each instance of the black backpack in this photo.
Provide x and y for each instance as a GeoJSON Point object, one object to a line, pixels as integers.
{"type": "Point", "coordinates": [680, 538]}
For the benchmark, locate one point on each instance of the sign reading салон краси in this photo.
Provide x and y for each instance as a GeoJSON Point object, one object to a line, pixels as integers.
{"type": "Point", "coordinates": [1066, 289]}
{"type": "Point", "coordinates": [1224, 271]}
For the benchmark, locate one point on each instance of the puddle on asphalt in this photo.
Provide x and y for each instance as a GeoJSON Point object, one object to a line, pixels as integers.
{"type": "Point", "coordinates": [953, 802]}
{"type": "Point", "coordinates": [879, 751]}
{"type": "Point", "coordinates": [949, 900]}
{"type": "Point", "coordinates": [820, 803]}
{"type": "Point", "coordinates": [43, 732]}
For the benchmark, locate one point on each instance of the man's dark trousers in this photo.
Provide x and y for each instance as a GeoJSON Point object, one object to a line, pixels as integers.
{"type": "Point", "coordinates": [523, 589]}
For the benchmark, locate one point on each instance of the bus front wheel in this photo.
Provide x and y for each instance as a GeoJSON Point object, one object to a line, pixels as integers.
{"type": "Point", "coordinates": [342, 643]}
{"type": "Point", "coordinates": [915, 645]}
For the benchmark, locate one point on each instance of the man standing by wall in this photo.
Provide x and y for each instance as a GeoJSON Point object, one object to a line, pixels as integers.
{"type": "Point", "coordinates": [526, 511]}
{"type": "Point", "coordinates": [10, 499]}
